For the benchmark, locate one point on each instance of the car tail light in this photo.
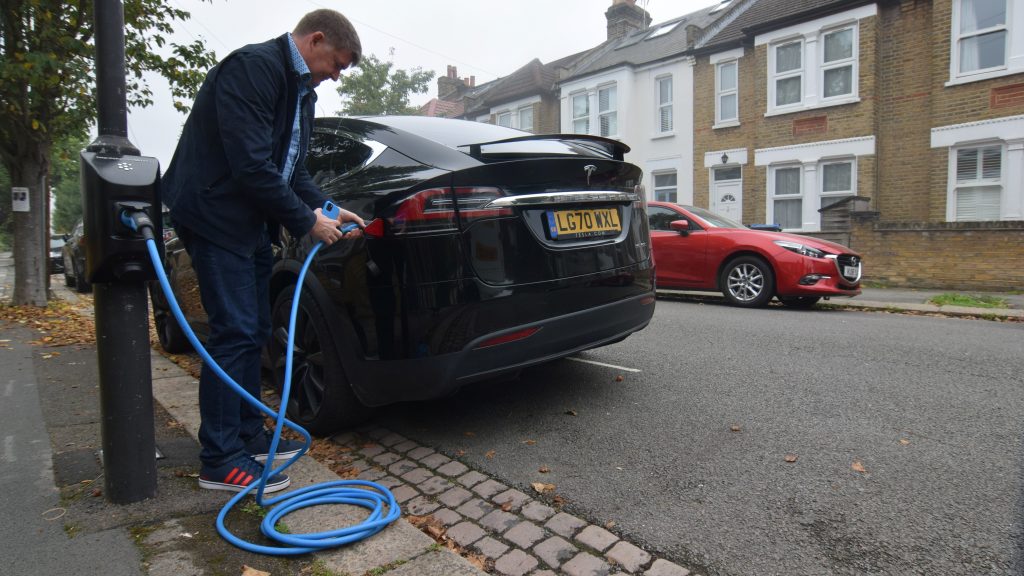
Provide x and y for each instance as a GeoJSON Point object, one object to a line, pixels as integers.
{"type": "Point", "coordinates": [432, 210]}
{"type": "Point", "coordinates": [374, 228]}
{"type": "Point", "coordinates": [473, 200]}
{"type": "Point", "coordinates": [425, 211]}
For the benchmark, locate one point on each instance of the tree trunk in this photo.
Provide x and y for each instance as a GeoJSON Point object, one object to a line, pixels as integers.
{"type": "Point", "coordinates": [31, 238]}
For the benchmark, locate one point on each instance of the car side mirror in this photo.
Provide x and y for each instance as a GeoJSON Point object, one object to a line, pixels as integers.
{"type": "Point", "coordinates": [681, 226]}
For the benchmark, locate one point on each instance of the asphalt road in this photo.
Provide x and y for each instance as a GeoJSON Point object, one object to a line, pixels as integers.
{"type": "Point", "coordinates": [906, 433]}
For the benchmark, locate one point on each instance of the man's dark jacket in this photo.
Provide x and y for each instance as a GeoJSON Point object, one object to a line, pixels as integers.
{"type": "Point", "coordinates": [224, 181]}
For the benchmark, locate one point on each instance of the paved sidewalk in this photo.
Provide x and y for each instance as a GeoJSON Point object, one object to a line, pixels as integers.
{"type": "Point", "coordinates": [901, 300]}
{"type": "Point", "coordinates": [56, 518]}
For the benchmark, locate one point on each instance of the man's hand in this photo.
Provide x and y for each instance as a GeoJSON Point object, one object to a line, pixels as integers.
{"type": "Point", "coordinates": [326, 229]}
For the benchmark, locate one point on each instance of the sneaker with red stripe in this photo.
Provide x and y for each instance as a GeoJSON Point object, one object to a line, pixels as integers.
{"type": "Point", "coordinates": [236, 475]}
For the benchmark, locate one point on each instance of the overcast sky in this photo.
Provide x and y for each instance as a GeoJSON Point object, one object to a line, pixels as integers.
{"type": "Point", "coordinates": [483, 38]}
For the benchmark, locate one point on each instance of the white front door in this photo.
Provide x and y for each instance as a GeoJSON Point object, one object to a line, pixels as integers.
{"type": "Point", "coordinates": [727, 193]}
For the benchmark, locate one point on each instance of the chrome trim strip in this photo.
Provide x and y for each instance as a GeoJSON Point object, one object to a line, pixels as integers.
{"type": "Point", "coordinates": [562, 198]}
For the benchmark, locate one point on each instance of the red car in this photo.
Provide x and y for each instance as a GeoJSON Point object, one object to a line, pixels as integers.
{"type": "Point", "coordinates": [695, 249]}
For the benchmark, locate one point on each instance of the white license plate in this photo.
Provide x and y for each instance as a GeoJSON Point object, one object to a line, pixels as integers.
{"type": "Point", "coordinates": [850, 271]}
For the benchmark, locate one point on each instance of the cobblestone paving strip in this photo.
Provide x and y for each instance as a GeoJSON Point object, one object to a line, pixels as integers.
{"type": "Point", "coordinates": [502, 530]}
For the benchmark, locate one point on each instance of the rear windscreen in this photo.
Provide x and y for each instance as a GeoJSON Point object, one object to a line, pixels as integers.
{"type": "Point", "coordinates": [461, 134]}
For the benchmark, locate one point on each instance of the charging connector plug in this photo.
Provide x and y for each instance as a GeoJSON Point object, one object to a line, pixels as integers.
{"type": "Point", "coordinates": [138, 221]}
{"type": "Point", "coordinates": [331, 210]}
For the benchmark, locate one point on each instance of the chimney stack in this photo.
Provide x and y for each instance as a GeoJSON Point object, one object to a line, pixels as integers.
{"type": "Point", "coordinates": [450, 87]}
{"type": "Point", "coordinates": [625, 17]}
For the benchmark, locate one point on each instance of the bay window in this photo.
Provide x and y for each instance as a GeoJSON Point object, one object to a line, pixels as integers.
{"type": "Point", "coordinates": [526, 118]}
{"type": "Point", "coordinates": [979, 182]}
{"type": "Point", "coordinates": [787, 197]}
{"type": "Point", "coordinates": [581, 113]}
{"type": "Point", "coordinates": [665, 186]}
{"type": "Point", "coordinates": [837, 181]}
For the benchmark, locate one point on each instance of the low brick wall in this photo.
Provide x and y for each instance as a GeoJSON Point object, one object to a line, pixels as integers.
{"type": "Point", "coordinates": [942, 255]}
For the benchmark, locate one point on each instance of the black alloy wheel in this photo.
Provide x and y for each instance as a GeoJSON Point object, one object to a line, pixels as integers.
{"type": "Point", "coordinates": [81, 284]}
{"type": "Point", "coordinates": [801, 302]}
{"type": "Point", "coordinates": [168, 331]}
{"type": "Point", "coordinates": [321, 399]}
{"type": "Point", "coordinates": [748, 281]}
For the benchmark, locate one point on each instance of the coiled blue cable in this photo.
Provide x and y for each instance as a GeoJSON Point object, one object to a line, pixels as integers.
{"type": "Point", "coordinates": [353, 492]}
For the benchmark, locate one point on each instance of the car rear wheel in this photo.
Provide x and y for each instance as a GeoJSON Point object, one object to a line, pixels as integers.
{"type": "Point", "coordinates": [799, 301]}
{"type": "Point", "coordinates": [168, 331]}
{"type": "Point", "coordinates": [321, 398]}
{"type": "Point", "coordinates": [748, 281]}
{"type": "Point", "coordinates": [81, 284]}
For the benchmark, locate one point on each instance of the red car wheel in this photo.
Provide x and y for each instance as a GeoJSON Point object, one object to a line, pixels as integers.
{"type": "Point", "coordinates": [748, 281]}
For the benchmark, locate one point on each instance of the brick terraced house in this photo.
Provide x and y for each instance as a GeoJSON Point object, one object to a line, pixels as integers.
{"type": "Point", "coordinates": [896, 127]}
{"type": "Point", "coordinates": [893, 126]}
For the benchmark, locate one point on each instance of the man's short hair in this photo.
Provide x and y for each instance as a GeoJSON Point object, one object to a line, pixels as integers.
{"type": "Point", "coordinates": [337, 31]}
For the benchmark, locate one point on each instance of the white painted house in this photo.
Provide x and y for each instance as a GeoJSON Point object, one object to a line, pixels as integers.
{"type": "Point", "coordinates": [637, 87]}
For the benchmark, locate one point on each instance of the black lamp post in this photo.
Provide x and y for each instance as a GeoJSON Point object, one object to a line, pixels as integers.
{"type": "Point", "coordinates": [113, 175]}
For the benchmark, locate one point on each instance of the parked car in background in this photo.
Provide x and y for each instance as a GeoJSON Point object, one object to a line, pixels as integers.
{"type": "Point", "coordinates": [73, 253]}
{"type": "Point", "coordinates": [57, 242]}
{"type": "Point", "coordinates": [486, 250]}
{"type": "Point", "coordinates": [696, 249]}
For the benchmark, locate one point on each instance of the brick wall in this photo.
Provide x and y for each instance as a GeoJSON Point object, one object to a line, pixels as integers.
{"type": "Point", "coordinates": [756, 131]}
{"type": "Point", "coordinates": [547, 114]}
{"type": "Point", "coordinates": [914, 59]}
{"type": "Point", "coordinates": [942, 255]}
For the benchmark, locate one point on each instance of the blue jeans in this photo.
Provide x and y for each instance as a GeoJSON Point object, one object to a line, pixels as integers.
{"type": "Point", "coordinates": [235, 293]}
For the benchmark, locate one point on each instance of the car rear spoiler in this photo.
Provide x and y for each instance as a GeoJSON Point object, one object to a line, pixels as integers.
{"type": "Point", "coordinates": [614, 148]}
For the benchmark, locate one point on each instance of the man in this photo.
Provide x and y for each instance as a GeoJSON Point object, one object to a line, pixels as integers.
{"type": "Point", "coordinates": [237, 175]}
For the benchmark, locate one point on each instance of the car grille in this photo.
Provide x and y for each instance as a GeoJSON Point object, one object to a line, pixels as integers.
{"type": "Point", "coordinates": [845, 262]}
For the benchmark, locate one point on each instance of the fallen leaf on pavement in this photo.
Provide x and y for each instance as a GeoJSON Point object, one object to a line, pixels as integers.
{"type": "Point", "coordinates": [490, 454]}
{"type": "Point", "coordinates": [609, 524]}
{"type": "Point", "coordinates": [541, 487]}
{"type": "Point", "coordinates": [529, 442]}
{"type": "Point", "coordinates": [570, 412]}
{"type": "Point", "coordinates": [544, 470]}
{"type": "Point", "coordinates": [618, 378]}
{"type": "Point", "coordinates": [460, 453]}
{"type": "Point", "coordinates": [735, 428]}
{"type": "Point", "coordinates": [507, 506]}
{"type": "Point", "coordinates": [791, 458]}
{"type": "Point", "coordinates": [857, 466]}
{"type": "Point", "coordinates": [250, 571]}
{"type": "Point", "coordinates": [904, 441]}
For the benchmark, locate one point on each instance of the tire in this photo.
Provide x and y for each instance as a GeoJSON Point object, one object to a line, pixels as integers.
{"type": "Point", "coordinates": [800, 302]}
{"type": "Point", "coordinates": [321, 398]}
{"type": "Point", "coordinates": [168, 331]}
{"type": "Point", "coordinates": [82, 285]}
{"type": "Point", "coordinates": [748, 282]}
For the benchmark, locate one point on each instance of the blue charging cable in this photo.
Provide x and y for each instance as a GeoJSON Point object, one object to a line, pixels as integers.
{"type": "Point", "coordinates": [365, 494]}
